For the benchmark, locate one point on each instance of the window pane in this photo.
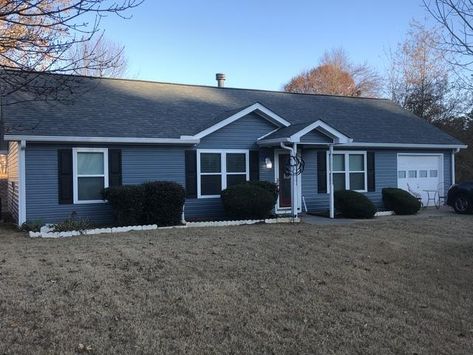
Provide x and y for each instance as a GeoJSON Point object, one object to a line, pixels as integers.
{"type": "Point", "coordinates": [90, 188]}
{"type": "Point", "coordinates": [423, 173]}
{"type": "Point", "coordinates": [210, 163]}
{"type": "Point", "coordinates": [210, 184]}
{"type": "Point", "coordinates": [401, 174]}
{"type": "Point", "coordinates": [338, 162]}
{"type": "Point", "coordinates": [235, 179]}
{"type": "Point", "coordinates": [236, 162]}
{"type": "Point", "coordinates": [357, 181]}
{"type": "Point", "coordinates": [412, 173]}
{"type": "Point", "coordinates": [357, 162]}
{"type": "Point", "coordinates": [339, 182]}
{"type": "Point", "coordinates": [433, 173]}
{"type": "Point", "coordinates": [89, 163]}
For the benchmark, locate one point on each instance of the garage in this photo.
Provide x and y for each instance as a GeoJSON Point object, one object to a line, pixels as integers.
{"type": "Point", "coordinates": [420, 173]}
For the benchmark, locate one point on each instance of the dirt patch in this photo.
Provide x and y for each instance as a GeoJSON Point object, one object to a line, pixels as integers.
{"type": "Point", "coordinates": [400, 286]}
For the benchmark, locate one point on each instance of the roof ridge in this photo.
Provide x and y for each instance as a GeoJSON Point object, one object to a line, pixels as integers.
{"type": "Point", "coordinates": [214, 87]}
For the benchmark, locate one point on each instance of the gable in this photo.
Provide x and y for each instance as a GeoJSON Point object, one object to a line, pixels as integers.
{"type": "Point", "coordinates": [315, 136]}
{"type": "Point", "coordinates": [241, 134]}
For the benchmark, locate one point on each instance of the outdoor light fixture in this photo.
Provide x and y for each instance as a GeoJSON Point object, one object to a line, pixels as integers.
{"type": "Point", "coordinates": [268, 163]}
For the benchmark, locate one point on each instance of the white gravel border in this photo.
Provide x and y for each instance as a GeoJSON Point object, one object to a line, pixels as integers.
{"type": "Point", "coordinates": [46, 231]}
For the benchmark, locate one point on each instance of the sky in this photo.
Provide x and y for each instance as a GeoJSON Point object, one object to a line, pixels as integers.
{"type": "Point", "coordinates": [258, 44]}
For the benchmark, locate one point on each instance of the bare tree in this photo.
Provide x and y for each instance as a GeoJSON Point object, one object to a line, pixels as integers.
{"type": "Point", "coordinates": [456, 18]}
{"type": "Point", "coordinates": [112, 62]}
{"type": "Point", "coordinates": [418, 77]}
{"type": "Point", "coordinates": [337, 75]}
{"type": "Point", "coordinates": [40, 37]}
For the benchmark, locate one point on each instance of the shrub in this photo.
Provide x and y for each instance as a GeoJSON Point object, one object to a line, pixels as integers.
{"type": "Point", "coordinates": [72, 224]}
{"type": "Point", "coordinates": [268, 186]}
{"type": "Point", "coordinates": [32, 226]}
{"type": "Point", "coordinates": [163, 203]}
{"type": "Point", "coordinates": [352, 204]}
{"type": "Point", "coordinates": [249, 200]}
{"type": "Point", "coordinates": [400, 201]}
{"type": "Point", "coordinates": [127, 204]}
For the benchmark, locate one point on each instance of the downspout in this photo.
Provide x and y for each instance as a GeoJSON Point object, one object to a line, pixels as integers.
{"type": "Point", "coordinates": [22, 183]}
{"type": "Point", "coordinates": [330, 179]}
{"type": "Point", "coordinates": [292, 152]}
{"type": "Point", "coordinates": [453, 165]}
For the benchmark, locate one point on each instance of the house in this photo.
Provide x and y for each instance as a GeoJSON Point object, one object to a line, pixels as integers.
{"type": "Point", "coordinates": [61, 155]}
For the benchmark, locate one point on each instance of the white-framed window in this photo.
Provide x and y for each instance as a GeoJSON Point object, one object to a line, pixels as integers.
{"type": "Point", "coordinates": [90, 174]}
{"type": "Point", "coordinates": [350, 171]}
{"type": "Point", "coordinates": [401, 174]}
{"type": "Point", "coordinates": [218, 169]}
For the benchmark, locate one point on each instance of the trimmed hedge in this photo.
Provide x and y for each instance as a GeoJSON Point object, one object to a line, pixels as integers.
{"type": "Point", "coordinates": [400, 201]}
{"type": "Point", "coordinates": [163, 203]}
{"type": "Point", "coordinates": [249, 200]}
{"type": "Point", "coordinates": [352, 204]}
{"type": "Point", "coordinates": [127, 204]}
{"type": "Point", "coordinates": [158, 202]}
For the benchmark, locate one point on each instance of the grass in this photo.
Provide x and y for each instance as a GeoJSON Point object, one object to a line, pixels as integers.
{"type": "Point", "coordinates": [399, 286]}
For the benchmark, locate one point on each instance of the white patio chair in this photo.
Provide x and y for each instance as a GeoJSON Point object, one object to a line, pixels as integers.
{"type": "Point", "coordinates": [442, 189]}
{"type": "Point", "coordinates": [416, 194]}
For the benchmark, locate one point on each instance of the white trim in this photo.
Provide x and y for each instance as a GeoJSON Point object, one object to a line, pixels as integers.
{"type": "Point", "coordinates": [223, 168]}
{"type": "Point", "coordinates": [271, 116]}
{"type": "Point", "coordinates": [269, 133]}
{"type": "Point", "coordinates": [347, 171]}
{"type": "Point", "coordinates": [75, 182]}
{"type": "Point", "coordinates": [406, 145]}
{"type": "Point", "coordinates": [279, 209]}
{"type": "Point", "coordinates": [22, 183]}
{"type": "Point", "coordinates": [453, 168]}
{"type": "Point", "coordinates": [441, 157]}
{"type": "Point", "coordinates": [102, 139]}
{"type": "Point", "coordinates": [324, 128]}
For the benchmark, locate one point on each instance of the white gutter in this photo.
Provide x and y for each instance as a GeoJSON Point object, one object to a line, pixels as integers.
{"type": "Point", "coordinates": [31, 138]}
{"type": "Point", "coordinates": [22, 184]}
{"type": "Point", "coordinates": [330, 179]}
{"type": "Point", "coordinates": [405, 145]}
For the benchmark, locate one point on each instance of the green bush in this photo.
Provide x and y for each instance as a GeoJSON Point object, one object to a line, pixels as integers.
{"type": "Point", "coordinates": [32, 226]}
{"type": "Point", "coordinates": [352, 204]}
{"type": "Point", "coordinates": [249, 200]}
{"type": "Point", "coordinates": [163, 203]}
{"type": "Point", "coordinates": [127, 204]}
{"type": "Point", "coordinates": [400, 201]}
{"type": "Point", "coordinates": [73, 224]}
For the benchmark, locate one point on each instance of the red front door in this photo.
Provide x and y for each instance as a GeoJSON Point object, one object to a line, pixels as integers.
{"type": "Point", "coordinates": [284, 182]}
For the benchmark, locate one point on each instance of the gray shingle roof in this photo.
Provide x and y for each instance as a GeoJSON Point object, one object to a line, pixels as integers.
{"type": "Point", "coordinates": [131, 108]}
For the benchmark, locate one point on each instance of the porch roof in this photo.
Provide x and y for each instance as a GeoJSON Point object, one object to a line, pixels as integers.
{"type": "Point", "coordinates": [304, 133]}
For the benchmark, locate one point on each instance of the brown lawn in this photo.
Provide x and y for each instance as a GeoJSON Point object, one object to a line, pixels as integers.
{"type": "Point", "coordinates": [398, 286]}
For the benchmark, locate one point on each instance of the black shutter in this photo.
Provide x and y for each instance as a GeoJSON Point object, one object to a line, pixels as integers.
{"type": "Point", "coordinates": [64, 162]}
{"type": "Point", "coordinates": [114, 167]}
{"type": "Point", "coordinates": [191, 173]}
{"type": "Point", "coordinates": [254, 165]}
{"type": "Point", "coordinates": [322, 172]}
{"type": "Point", "coordinates": [371, 171]}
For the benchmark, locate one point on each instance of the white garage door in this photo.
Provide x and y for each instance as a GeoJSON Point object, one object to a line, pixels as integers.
{"type": "Point", "coordinates": [420, 173]}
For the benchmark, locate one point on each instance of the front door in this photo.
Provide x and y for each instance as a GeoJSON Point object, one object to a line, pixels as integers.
{"type": "Point", "coordinates": [284, 181]}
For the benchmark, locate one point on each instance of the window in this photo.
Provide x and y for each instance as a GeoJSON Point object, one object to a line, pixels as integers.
{"type": "Point", "coordinates": [401, 174]}
{"type": "Point", "coordinates": [423, 173]}
{"type": "Point", "coordinates": [219, 169]}
{"type": "Point", "coordinates": [433, 173]}
{"type": "Point", "coordinates": [90, 169]}
{"type": "Point", "coordinates": [412, 174]}
{"type": "Point", "coordinates": [349, 171]}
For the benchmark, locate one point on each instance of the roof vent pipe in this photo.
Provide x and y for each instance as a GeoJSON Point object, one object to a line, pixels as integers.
{"type": "Point", "coordinates": [220, 79]}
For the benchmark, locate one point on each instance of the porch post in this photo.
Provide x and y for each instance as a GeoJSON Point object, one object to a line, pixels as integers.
{"type": "Point", "coordinates": [294, 189]}
{"type": "Point", "coordinates": [330, 174]}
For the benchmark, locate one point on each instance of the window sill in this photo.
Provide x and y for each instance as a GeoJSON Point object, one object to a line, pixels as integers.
{"type": "Point", "coordinates": [89, 202]}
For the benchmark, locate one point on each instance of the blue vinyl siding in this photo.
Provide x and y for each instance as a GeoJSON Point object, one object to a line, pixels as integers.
{"type": "Point", "coordinates": [315, 137]}
{"type": "Point", "coordinates": [241, 134]}
{"type": "Point", "coordinates": [385, 176]}
{"type": "Point", "coordinates": [147, 163]}
{"type": "Point", "coordinates": [139, 164]}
